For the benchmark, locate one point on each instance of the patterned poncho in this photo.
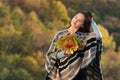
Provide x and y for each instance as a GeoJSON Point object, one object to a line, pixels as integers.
{"type": "Point", "coordinates": [69, 67]}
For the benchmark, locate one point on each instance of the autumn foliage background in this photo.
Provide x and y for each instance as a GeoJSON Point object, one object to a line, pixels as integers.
{"type": "Point", "coordinates": [28, 26]}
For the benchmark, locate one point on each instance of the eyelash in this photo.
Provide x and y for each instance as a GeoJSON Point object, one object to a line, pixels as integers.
{"type": "Point", "coordinates": [76, 17]}
{"type": "Point", "coordinates": [78, 20]}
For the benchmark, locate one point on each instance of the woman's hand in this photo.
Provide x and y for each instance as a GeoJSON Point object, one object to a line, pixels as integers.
{"type": "Point", "coordinates": [60, 54]}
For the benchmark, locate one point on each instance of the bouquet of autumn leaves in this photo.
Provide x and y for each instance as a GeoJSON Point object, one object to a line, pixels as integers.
{"type": "Point", "coordinates": [69, 43]}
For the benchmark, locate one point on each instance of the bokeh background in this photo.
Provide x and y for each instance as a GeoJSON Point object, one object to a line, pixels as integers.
{"type": "Point", "coordinates": [28, 26]}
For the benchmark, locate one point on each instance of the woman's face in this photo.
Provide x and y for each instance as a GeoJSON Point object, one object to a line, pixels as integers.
{"type": "Point", "coordinates": [78, 20]}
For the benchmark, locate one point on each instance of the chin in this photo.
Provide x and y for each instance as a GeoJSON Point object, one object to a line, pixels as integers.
{"type": "Point", "coordinates": [76, 27]}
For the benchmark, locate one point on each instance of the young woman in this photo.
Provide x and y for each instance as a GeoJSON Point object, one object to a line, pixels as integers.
{"type": "Point", "coordinates": [83, 64]}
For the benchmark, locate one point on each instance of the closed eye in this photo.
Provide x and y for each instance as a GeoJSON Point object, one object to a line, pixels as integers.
{"type": "Point", "coordinates": [80, 20]}
{"type": "Point", "coordinates": [75, 17]}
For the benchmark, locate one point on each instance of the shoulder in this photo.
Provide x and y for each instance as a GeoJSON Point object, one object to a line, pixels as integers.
{"type": "Point", "coordinates": [86, 36]}
{"type": "Point", "coordinates": [91, 35]}
{"type": "Point", "coordinates": [59, 33]}
{"type": "Point", "coordinates": [91, 38]}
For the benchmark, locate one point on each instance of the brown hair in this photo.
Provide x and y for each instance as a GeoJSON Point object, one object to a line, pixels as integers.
{"type": "Point", "coordinates": [87, 22]}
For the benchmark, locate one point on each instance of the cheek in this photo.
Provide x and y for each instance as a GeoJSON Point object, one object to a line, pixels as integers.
{"type": "Point", "coordinates": [71, 21]}
{"type": "Point", "coordinates": [79, 24]}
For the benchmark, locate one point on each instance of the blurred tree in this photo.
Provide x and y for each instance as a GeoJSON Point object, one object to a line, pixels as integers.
{"type": "Point", "coordinates": [108, 41]}
{"type": "Point", "coordinates": [34, 24]}
{"type": "Point", "coordinates": [4, 10]}
{"type": "Point", "coordinates": [30, 64]}
{"type": "Point", "coordinates": [54, 10]}
{"type": "Point", "coordinates": [110, 65]}
{"type": "Point", "coordinates": [117, 39]}
{"type": "Point", "coordinates": [10, 62]}
{"type": "Point", "coordinates": [15, 66]}
{"type": "Point", "coordinates": [26, 43]}
{"type": "Point", "coordinates": [18, 17]}
{"type": "Point", "coordinates": [5, 18]}
{"type": "Point", "coordinates": [13, 41]}
{"type": "Point", "coordinates": [19, 74]}
{"type": "Point", "coordinates": [72, 6]}
{"type": "Point", "coordinates": [56, 24]}
{"type": "Point", "coordinates": [4, 73]}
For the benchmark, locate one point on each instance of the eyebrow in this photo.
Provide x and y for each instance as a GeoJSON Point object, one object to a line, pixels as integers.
{"type": "Point", "coordinates": [81, 19]}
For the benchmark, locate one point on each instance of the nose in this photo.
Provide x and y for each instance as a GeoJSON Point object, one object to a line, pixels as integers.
{"type": "Point", "coordinates": [76, 20]}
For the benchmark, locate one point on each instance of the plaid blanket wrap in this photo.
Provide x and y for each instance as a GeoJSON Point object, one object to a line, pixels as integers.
{"type": "Point", "coordinates": [68, 67]}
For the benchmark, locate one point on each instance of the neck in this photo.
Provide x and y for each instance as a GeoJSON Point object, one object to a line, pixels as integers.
{"type": "Point", "coordinates": [72, 29]}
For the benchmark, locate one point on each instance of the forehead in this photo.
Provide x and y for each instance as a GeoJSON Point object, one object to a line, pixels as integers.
{"type": "Point", "coordinates": [80, 15]}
